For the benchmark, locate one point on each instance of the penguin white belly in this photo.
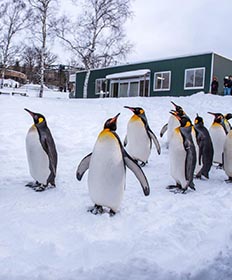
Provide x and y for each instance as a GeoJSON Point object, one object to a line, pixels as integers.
{"type": "Point", "coordinates": [177, 155]}
{"type": "Point", "coordinates": [198, 165]}
{"type": "Point", "coordinates": [228, 154]}
{"type": "Point", "coordinates": [37, 158]}
{"type": "Point", "coordinates": [139, 144]}
{"type": "Point", "coordinates": [172, 124]}
{"type": "Point", "coordinates": [106, 177]}
{"type": "Point", "coordinates": [218, 137]}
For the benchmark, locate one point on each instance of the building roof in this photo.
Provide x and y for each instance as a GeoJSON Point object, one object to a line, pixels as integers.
{"type": "Point", "coordinates": [127, 74]}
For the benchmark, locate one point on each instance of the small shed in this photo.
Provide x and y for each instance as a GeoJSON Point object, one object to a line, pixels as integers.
{"type": "Point", "coordinates": [177, 76]}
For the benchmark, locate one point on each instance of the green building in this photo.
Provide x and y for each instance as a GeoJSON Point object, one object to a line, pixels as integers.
{"type": "Point", "coordinates": [179, 76]}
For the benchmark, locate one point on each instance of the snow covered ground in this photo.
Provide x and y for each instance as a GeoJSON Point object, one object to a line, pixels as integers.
{"type": "Point", "coordinates": [51, 236]}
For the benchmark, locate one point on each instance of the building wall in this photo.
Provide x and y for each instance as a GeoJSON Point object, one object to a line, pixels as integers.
{"type": "Point", "coordinates": [177, 67]}
{"type": "Point", "coordinates": [222, 67]}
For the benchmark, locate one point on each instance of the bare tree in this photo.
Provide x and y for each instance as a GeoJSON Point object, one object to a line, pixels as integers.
{"type": "Point", "coordinates": [14, 17]}
{"type": "Point", "coordinates": [97, 38]}
{"type": "Point", "coordinates": [31, 59]}
{"type": "Point", "coordinates": [43, 11]}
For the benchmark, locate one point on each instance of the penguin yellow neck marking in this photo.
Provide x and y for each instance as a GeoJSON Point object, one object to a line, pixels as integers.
{"type": "Point", "coordinates": [187, 124]}
{"type": "Point", "coordinates": [106, 132]}
{"type": "Point", "coordinates": [135, 118]}
{"type": "Point", "coordinates": [216, 124]}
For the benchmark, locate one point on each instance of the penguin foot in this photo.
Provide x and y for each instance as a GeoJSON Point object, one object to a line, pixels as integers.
{"type": "Point", "coordinates": [112, 213]}
{"type": "Point", "coordinates": [229, 180]}
{"type": "Point", "coordinates": [97, 209]}
{"type": "Point", "coordinates": [170, 187]}
{"type": "Point", "coordinates": [220, 166]}
{"type": "Point", "coordinates": [32, 184]}
{"type": "Point", "coordinates": [142, 164]}
{"type": "Point", "coordinates": [40, 188]}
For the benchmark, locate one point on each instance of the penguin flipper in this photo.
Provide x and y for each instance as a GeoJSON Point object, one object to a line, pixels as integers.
{"type": "Point", "coordinates": [190, 161]}
{"type": "Point", "coordinates": [49, 147]}
{"type": "Point", "coordinates": [137, 170]}
{"type": "Point", "coordinates": [83, 166]}
{"type": "Point", "coordinates": [163, 130]}
{"type": "Point", "coordinates": [155, 140]}
{"type": "Point", "coordinates": [125, 141]}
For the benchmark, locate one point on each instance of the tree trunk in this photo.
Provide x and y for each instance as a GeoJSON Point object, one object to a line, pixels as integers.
{"type": "Point", "coordinates": [85, 93]}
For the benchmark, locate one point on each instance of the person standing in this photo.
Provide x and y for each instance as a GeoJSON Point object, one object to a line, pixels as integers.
{"type": "Point", "coordinates": [227, 86]}
{"type": "Point", "coordinates": [214, 85]}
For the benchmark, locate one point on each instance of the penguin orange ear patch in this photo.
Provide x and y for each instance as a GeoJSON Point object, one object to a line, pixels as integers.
{"type": "Point", "coordinates": [141, 111]}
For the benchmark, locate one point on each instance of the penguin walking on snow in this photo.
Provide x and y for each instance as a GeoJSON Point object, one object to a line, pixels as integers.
{"type": "Point", "coordinates": [107, 170]}
{"type": "Point", "coordinates": [138, 140]}
{"type": "Point", "coordinates": [227, 156]}
{"type": "Point", "coordinates": [182, 154]}
{"type": "Point", "coordinates": [205, 148]}
{"type": "Point", "coordinates": [41, 153]}
{"type": "Point", "coordinates": [218, 132]}
{"type": "Point", "coordinates": [172, 122]}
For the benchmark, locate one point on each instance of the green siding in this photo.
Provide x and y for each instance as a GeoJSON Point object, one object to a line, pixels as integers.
{"type": "Point", "coordinates": [177, 67]}
{"type": "Point", "coordinates": [222, 67]}
{"type": "Point", "coordinates": [80, 79]}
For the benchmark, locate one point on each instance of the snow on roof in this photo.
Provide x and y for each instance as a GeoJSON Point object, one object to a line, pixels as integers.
{"type": "Point", "coordinates": [128, 74]}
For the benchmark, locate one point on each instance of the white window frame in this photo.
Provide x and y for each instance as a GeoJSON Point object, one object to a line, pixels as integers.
{"type": "Point", "coordinates": [169, 84]}
{"type": "Point", "coordinates": [103, 80]}
{"type": "Point", "coordinates": [194, 69]}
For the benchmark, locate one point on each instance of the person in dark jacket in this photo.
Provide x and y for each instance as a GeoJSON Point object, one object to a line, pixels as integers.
{"type": "Point", "coordinates": [227, 86]}
{"type": "Point", "coordinates": [214, 85]}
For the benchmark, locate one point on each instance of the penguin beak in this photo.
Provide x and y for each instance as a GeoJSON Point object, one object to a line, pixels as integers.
{"type": "Point", "coordinates": [130, 108]}
{"type": "Point", "coordinates": [114, 119]}
{"type": "Point", "coordinates": [211, 113]}
{"type": "Point", "coordinates": [175, 114]}
{"type": "Point", "coordinates": [30, 112]}
{"type": "Point", "coordinates": [173, 104]}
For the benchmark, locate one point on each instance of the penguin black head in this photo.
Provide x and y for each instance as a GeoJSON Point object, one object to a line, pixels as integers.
{"type": "Point", "coordinates": [228, 116]}
{"type": "Point", "coordinates": [179, 109]}
{"type": "Point", "coordinates": [184, 119]}
{"type": "Point", "coordinates": [198, 120]}
{"type": "Point", "coordinates": [218, 117]}
{"type": "Point", "coordinates": [136, 110]}
{"type": "Point", "coordinates": [39, 119]}
{"type": "Point", "coordinates": [111, 124]}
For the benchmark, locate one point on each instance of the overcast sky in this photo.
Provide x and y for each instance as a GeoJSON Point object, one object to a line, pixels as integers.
{"type": "Point", "coordinates": [175, 27]}
{"type": "Point", "coordinates": [166, 28]}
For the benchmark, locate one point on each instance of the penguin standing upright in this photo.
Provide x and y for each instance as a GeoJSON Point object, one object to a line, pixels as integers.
{"type": "Point", "coordinates": [107, 170]}
{"type": "Point", "coordinates": [41, 153]}
{"type": "Point", "coordinates": [205, 146]}
{"type": "Point", "coordinates": [227, 117]}
{"type": "Point", "coordinates": [218, 133]}
{"type": "Point", "coordinates": [172, 122]}
{"type": "Point", "coordinates": [182, 154]}
{"type": "Point", "coordinates": [227, 156]}
{"type": "Point", "coordinates": [138, 140]}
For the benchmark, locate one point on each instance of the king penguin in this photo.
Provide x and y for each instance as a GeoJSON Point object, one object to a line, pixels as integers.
{"type": "Point", "coordinates": [172, 122]}
{"type": "Point", "coordinates": [205, 146]}
{"type": "Point", "coordinates": [227, 156]}
{"type": "Point", "coordinates": [227, 117]}
{"type": "Point", "coordinates": [107, 170]}
{"type": "Point", "coordinates": [218, 132]}
{"type": "Point", "coordinates": [41, 153]}
{"type": "Point", "coordinates": [139, 137]}
{"type": "Point", "coordinates": [182, 154]}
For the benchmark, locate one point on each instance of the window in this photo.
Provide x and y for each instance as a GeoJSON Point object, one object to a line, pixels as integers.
{"type": "Point", "coordinates": [162, 81]}
{"type": "Point", "coordinates": [100, 86]}
{"type": "Point", "coordinates": [194, 78]}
